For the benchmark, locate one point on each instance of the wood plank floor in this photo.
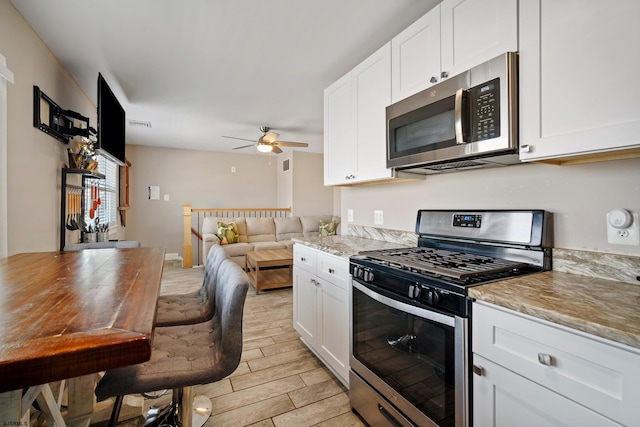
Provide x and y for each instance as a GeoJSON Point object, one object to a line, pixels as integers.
{"type": "Point", "coordinates": [279, 382]}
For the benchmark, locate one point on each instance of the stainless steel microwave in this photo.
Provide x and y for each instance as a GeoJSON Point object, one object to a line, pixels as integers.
{"type": "Point", "coordinates": [466, 122]}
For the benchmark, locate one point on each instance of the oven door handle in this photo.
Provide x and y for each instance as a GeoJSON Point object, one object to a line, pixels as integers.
{"type": "Point", "coordinates": [417, 311]}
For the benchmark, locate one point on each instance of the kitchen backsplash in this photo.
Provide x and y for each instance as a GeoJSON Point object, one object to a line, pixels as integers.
{"type": "Point", "coordinates": [622, 268]}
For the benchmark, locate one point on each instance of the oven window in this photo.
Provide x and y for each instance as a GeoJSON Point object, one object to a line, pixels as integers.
{"type": "Point", "coordinates": [412, 355]}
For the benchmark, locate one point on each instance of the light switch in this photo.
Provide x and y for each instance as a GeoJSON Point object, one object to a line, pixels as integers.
{"type": "Point", "coordinates": [166, 197]}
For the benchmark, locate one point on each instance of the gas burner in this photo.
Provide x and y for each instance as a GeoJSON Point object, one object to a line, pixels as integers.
{"type": "Point", "coordinates": [443, 263]}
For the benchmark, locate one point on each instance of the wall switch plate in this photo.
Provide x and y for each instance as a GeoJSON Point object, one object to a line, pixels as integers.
{"type": "Point", "coordinates": [617, 234]}
{"type": "Point", "coordinates": [153, 192]}
{"type": "Point", "coordinates": [378, 218]}
{"type": "Point", "coordinates": [233, 169]}
{"type": "Point", "coordinates": [166, 197]}
{"type": "Point", "coordinates": [349, 215]}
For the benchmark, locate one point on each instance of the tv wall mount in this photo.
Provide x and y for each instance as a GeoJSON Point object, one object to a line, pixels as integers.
{"type": "Point", "coordinates": [57, 122]}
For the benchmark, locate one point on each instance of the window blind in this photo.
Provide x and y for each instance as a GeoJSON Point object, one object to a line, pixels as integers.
{"type": "Point", "coordinates": [108, 208]}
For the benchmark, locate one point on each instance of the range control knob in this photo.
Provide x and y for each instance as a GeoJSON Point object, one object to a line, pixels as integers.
{"type": "Point", "coordinates": [357, 272]}
{"type": "Point", "coordinates": [367, 276]}
{"type": "Point", "coordinates": [433, 297]}
{"type": "Point", "coordinates": [414, 291]}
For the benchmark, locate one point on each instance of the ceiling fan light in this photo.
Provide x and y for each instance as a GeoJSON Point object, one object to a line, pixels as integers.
{"type": "Point", "coordinates": [270, 137]}
{"type": "Point", "coordinates": [265, 148]}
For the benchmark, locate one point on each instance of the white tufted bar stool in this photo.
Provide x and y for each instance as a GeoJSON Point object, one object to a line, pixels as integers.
{"type": "Point", "coordinates": [187, 355]}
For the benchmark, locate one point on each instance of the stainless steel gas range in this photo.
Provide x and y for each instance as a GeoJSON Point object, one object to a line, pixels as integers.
{"type": "Point", "coordinates": [411, 316]}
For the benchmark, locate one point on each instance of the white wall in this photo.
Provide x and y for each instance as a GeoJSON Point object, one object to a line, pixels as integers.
{"type": "Point", "coordinates": [579, 197]}
{"type": "Point", "coordinates": [202, 178]}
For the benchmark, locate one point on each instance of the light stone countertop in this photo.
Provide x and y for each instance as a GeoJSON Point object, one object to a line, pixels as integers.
{"type": "Point", "coordinates": [605, 308]}
{"type": "Point", "coordinates": [345, 246]}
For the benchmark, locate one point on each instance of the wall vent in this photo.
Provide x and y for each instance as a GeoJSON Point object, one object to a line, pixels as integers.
{"type": "Point", "coordinates": [139, 124]}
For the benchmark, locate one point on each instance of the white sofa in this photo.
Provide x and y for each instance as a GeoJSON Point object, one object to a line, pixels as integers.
{"type": "Point", "coordinates": [259, 234]}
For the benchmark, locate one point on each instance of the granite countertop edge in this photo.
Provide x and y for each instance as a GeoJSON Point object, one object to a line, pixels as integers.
{"type": "Point", "coordinates": [603, 308]}
{"type": "Point", "coordinates": [346, 246]}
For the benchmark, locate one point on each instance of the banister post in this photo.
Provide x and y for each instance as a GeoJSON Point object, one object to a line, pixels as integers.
{"type": "Point", "coordinates": [187, 257]}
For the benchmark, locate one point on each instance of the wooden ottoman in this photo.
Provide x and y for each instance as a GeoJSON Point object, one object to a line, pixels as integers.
{"type": "Point", "coordinates": [270, 278]}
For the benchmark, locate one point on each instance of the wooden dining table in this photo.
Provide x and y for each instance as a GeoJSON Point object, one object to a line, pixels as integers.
{"type": "Point", "coordinates": [64, 315]}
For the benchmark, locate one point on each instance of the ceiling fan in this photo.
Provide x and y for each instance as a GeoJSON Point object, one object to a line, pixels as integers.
{"type": "Point", "coordinates": [268, 142]}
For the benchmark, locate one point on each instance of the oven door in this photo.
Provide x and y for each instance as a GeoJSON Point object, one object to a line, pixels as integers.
{"type": "Point", "coordinates": [415, 358]}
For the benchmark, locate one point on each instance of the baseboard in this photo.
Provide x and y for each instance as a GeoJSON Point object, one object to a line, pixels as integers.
{"type": "Point", "coordinates": [174, 256]}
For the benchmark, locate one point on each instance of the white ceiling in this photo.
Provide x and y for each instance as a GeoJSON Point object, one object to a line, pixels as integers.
{"type": "Point", "coordinates": [201, 69]}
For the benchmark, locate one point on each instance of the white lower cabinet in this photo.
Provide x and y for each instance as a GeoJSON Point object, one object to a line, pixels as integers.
{"type": "Point", "coordinates": [321, 306]}
{"type": "Point", "coordinates": [530, 372]}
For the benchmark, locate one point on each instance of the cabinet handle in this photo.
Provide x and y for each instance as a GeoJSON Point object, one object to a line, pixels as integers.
{"type": "Point", "coordinates": [331, 271]}
{"type": "Point", "coordinates": [433, 79]}
{"type": "Point", "coordinates": [444, 74]}
{"type": "Point", "coordinates": [545, 359]}
{"type": "Point", "coordinates": [525, 148]}
{"type": "Point", "coordinates": [478, 370]}
{"type": "Point", "coordinates": [303, 259]}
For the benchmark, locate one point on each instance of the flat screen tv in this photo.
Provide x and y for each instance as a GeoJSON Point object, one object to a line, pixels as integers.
{"type": "Point", "coordinates": [111, 124]}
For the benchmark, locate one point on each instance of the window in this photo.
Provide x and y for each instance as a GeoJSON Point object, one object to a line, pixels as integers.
{"type": "Point", "coordinates": [108, 208]}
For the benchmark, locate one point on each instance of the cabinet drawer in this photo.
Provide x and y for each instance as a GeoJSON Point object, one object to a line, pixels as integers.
{"type": "Point", "coordinates": [601, 376]}
{"type": "Point", "coordinates": [333, 269]}
{"type": "Point", "coordinates": [304, 257]}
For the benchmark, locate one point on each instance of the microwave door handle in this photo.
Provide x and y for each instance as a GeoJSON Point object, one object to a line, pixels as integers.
{"type": "Point", "coordinates": [457, 112]}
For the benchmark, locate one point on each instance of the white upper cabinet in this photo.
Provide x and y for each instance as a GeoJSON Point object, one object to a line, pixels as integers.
{"type": "Point", "coordinates": [372, 93]}
{"type": "Point", "coordinates": [339, 132]}
{"type": "Point", "coordinates": [451, 38]}
{"type": "Point", "coordinates": [416, 56]}
{"type": "Point", "coordinates": [579, 66]}
{"type": "Point", "coordinates": [354, 123]}
{"type": "Point", "coordinates": [475, 31]}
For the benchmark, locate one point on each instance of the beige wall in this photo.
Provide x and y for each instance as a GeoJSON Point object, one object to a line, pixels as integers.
{"type": "Point", "coordinates": [34, 159]}
{"type": "Point", "coordinates": [301, 187]}
{"type": "Point", "coordinates": [201, 178]}
{"type": "Point", "coordinates": [578, 195]}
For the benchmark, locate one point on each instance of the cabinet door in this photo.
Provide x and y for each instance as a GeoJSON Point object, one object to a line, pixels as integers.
{"type": "Point", "coordinates": [339, 133]}
{"type": "Point", "coordinates": [415, 56]}
{"type": "Point", "coordinates": [333, 335]}
{"type": "Point", "coordinates": [371, 81]}
{"type": "Point", "coordinates": [475, 31]}
{"type": "Point", "coordinates": [578, 67]}
{"type": "Point", "coordinates": [503, 399]}
{"type": "Point", "coordinates": [304, 305]}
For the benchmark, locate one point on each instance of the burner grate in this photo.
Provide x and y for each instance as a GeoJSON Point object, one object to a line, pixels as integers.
{"type": "Point", "coordinates": [441, 262]}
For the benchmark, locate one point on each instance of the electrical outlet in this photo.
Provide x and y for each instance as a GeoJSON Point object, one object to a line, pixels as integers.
{"type": "Point", "coordinates": [623, 227]}
{"type": "Point", "coordinates": [378, 218]}
{"type": "Point", "coordinates": [349, 215]}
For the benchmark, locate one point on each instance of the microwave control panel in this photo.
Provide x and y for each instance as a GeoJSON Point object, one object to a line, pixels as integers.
{"type": "Point", "coordinates": [484, 106]}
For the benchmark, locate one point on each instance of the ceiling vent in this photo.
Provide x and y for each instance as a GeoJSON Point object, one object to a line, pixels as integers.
{"type": "Point", "coordinates": [139, 124]}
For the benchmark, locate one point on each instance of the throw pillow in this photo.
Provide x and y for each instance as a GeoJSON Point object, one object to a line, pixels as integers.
{"type": "Point", "coordinates": [328, 228]}
{"type": "Point", "coordinates": [228, 233]}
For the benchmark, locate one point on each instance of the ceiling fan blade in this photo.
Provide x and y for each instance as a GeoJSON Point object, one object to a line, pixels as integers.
{"type": "Point", "coordinates": [241, 139]}
{"type": "Point", "coordinates": [291, 144]}
{"type": "Point", "coordinates": [276, 150]}
{"type": "Point", "coordinates": [244, 146]}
